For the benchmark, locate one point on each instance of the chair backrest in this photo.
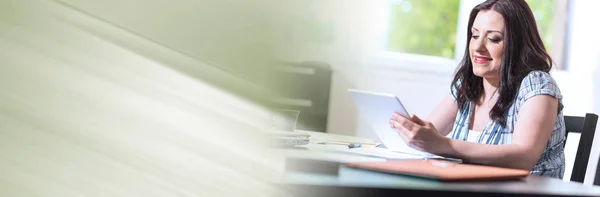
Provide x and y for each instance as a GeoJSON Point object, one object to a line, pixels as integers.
{"type": "Point", "coordinates": [597, 177]}
{"type": "Point", "coordinates": [587, 127]}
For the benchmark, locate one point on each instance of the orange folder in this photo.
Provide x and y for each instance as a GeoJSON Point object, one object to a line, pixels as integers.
{"type": "Point", "coordinates": [443, 170]}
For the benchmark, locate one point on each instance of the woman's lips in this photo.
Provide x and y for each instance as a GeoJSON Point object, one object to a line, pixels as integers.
{"type": "Point", "coordinates": [482, 60]}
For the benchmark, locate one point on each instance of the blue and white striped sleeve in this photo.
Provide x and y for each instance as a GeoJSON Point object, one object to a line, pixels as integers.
{"type": "Point", "coordinates": [538, 83]}
{"type": "Point", "coordinates": [454, 89]}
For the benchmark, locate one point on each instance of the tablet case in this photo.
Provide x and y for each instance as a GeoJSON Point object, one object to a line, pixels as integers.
{"type": "Point", "coordinates": [443, 170]}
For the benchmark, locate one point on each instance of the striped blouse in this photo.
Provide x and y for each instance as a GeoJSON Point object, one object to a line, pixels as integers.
{"type": "Point", "coordinates": [552, 161]}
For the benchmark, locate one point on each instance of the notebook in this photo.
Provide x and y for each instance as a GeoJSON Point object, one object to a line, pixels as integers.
{"type": "Point", "coordinates": [442, 170]}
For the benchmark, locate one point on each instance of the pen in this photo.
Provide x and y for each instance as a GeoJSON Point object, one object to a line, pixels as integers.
{"type": "Point", "coordinates": [346, 142]}
{"type": "Point", "coordinates": [355, 145]}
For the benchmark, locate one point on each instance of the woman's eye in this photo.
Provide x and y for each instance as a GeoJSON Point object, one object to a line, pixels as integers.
{"type": "Point", "coordinates": [494, 40]}
{"type": "Point", "coordinates": [475, 36]}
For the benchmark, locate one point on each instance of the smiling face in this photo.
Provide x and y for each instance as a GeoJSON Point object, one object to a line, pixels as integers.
{"type": "Point", "coordinates": [487, 42]}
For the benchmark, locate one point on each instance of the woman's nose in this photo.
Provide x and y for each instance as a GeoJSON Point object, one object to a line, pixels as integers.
{"type": "Point", "coordinates": [479, 45]}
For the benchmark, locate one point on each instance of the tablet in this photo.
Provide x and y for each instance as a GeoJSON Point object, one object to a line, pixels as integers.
{"type": "Point", "coordinates": [377, 109]}
{"type": "Point", "coordinates": [376, 102]}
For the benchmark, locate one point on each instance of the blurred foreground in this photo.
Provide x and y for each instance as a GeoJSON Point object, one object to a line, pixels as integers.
{"type": "Point", "coordinates": [90, 107]}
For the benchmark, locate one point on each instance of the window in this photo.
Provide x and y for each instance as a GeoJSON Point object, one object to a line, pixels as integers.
{"type": "Point", "coordinates": [543, 13]}
{"type": "Point", "coordinates": [426, 27]}
{"type": "Point", "coordinates": [435, 27]}
{"type": "Point", "coordinates": [551, 18]}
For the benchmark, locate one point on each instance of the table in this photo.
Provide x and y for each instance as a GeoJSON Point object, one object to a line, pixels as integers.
{"type": "Point", "coordinates": [322, 173]}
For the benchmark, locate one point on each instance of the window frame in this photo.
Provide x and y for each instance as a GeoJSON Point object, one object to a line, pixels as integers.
{"type": "Point", "coordinates": [560, 33]}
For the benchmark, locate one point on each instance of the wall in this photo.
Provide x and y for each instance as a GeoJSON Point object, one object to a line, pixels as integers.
{"type": "Point", "coordinates": [584, 65]}
{"type": "Point", "coordinates": [402, 81]}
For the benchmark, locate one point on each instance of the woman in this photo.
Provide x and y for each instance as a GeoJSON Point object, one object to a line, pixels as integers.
{"type": "Point", "coordinates": [504, 109]}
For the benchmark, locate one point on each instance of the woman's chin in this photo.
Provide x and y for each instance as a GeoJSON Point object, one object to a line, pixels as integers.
{"type": "Point", "coordinates": [479, 73]}
{"type": "Point", "coordinates": [485, 70]}
{"type": "Point", "coordinates": [485, 74]}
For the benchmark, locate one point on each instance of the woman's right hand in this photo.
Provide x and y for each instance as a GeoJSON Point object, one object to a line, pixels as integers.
{"type": "Point", "coordinates": [419, 134]}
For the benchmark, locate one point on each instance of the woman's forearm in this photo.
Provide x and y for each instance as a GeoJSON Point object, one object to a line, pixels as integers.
{"type": "Point", "coordinates": [508, 155]}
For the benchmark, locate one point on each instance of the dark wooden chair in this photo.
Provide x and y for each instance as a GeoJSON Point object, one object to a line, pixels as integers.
{"type": "Point", "coordinates": [587, 127]}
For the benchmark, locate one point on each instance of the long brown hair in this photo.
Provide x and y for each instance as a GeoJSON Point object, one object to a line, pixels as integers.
{"type": "Point", "coordinates": [523, 52]}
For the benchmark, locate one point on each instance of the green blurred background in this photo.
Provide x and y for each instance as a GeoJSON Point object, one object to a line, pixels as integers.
{"type": "Point", "coordinates": [428, 27]}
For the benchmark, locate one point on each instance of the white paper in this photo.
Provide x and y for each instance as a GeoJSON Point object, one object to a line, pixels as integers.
{"type": "Point", "coordinates": [370, 151]}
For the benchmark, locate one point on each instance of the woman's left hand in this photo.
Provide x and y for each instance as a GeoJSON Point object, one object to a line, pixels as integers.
{"type": "Point", "coordinates": [417, 133]}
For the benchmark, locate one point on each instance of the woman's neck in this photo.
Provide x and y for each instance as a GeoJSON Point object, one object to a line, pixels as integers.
{"type": "Point", "coordinates": [490, 87]}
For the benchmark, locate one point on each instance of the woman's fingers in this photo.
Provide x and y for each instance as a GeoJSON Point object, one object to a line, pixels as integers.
{"type": "Point", "coordinates": [404, 122]}
{"type": "Point", "coordinates": [405, 127]}
{"type": "Point", "coordinates": [416, 132]}
{"type": "Point", "coordinates": [417, 120]}
{"type": "Point", "coordinates": [403, 132]}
